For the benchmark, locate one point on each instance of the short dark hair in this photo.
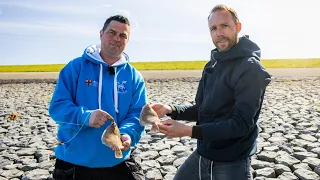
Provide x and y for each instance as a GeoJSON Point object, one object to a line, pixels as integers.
{"type": "Point", "coordinates": [222, 7]}
{"type": "Point", "coordinates": [118, 18]}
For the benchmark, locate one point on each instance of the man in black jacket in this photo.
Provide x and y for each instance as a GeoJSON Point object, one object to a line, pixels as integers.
{"type": "Point", "coordinates": [227, 108]}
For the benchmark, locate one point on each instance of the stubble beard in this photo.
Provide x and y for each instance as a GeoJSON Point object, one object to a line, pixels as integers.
{"type": "Point", "coordinates": [231, 42]}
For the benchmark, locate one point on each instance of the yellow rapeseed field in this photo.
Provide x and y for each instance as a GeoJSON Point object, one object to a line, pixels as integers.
{"type": "Point", "coordinates": [170, 65]}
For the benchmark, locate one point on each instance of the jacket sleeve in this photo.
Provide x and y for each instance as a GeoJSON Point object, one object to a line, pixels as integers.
{"type": "Point", "coordinates": [62, 108]}
{"type": "Point", "coordinates": [189, 113]}
{"type": "Point", "coordinates": [131, 125]}
{"type": "Point", "coordinates": [248, 95]}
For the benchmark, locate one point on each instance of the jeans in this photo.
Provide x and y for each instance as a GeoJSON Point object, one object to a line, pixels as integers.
{"type": "Point", "coordinates": [197, 167]}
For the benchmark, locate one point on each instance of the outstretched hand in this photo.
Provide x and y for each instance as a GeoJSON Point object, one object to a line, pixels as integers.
{"type": "Point", "coordinates": [161, 109]}
{"type": "Point", "coordinates": [172, 128]}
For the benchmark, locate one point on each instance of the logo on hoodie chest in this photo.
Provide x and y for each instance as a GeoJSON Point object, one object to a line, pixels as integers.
{"type": "Point", "coordinates": [89, 83]}
{"type": "Point", "coordinates": [121, 86]}
{"type": "Point", "coordinates": [122, 89]}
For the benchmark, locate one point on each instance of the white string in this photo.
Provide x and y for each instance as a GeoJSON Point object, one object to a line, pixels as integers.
{"type": "Point", "coordinates": [100, 87]}
{"type": "Point", "coordinates": [76, 125]}
{"type": "Point", "coordinates": [211, 169]}
{"type": "Point", "coordinates": [99, 102]}
{"type": "Point", "coordinates": [200, 168]}
{"type": "Point", "coordinates": [115, 90]}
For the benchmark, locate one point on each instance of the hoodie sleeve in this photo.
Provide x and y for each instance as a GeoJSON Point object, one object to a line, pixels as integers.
{"type": "Point", "coordinates": [248, 95]}
{"type": "Point", "coordinates": [62, 108]}
{"type": "Point", "coordinates": [131, 125]}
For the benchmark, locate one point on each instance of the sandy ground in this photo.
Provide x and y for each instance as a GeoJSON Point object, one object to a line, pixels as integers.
{"type": "Point", "coordinates": [276, 72]}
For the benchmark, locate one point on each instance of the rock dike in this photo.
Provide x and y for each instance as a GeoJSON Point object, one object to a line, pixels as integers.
{"type": "Point", "coordinates": [288, 145]}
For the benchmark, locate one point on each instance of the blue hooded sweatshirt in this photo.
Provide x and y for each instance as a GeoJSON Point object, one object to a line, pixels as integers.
{"type": "Point", "coordinates": [85, 84]}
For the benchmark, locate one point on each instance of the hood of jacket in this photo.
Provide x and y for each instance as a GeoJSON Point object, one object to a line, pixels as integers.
{"type": "Point", "coordinates": [92, 53]}
{"type": "Point", "coordinates": [244, 48]}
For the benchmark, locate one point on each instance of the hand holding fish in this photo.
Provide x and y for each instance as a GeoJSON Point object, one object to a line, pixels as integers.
{"type": "Point", "coordinates": [98, 118]}
{"type": "Point", "coordinates": [111, 137]}
{"type": "Point", "coordinates": [161, 109]}
{"type": "Point", "coordinates": [126, 143]}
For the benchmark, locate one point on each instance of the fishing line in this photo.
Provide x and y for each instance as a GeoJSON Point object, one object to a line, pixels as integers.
{"type": "Point", "coordinates": [75, 125]}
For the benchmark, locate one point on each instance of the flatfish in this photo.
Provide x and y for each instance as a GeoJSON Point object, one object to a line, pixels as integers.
{"type": "Point", "coordinates": [111, 137]}
{"type": "Point", "coordinates": [149, 117]}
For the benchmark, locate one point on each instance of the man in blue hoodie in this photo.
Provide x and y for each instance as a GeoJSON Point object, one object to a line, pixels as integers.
{"type": "Point", "coordinates": [99, 83]}
{"type": "Point", "coordinates": [227, 105]}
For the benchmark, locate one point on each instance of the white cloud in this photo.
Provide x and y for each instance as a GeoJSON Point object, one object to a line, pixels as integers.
{"type": "Point", "coordinates": [173, 38]}
{"type": "Point", "coordinates": [136, 27]}
{"type": "Point", "coordinates": [66, 8]}
{"type": "Point", "coordinates": [107, 5]}
{"type": "Point", "coordinates": [20, 29]}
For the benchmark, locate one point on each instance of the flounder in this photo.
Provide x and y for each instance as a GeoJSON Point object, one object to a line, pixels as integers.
{"type": "Point", "coordinates": [149, 117]}
{"type": "Point", "coordinates": [111, 137]}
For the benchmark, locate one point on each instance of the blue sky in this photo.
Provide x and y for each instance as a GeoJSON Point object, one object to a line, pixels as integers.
{"type": "Point", "coordinates": [52, 32]}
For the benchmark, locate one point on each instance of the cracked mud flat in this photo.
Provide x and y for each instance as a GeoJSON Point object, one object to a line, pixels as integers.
{"type": "Point", "coordinates": [289, 142]}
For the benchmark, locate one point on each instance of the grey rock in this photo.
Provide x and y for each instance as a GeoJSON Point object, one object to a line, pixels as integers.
{"type": "Point", "coordinates": [154, 174]}
{"type": "Point", "coordinates": [286, 160]}
{"type": "Point", "coordinates": [12, 173]}
{"type": "Point", "coordinates": [169, 176]}
{"type": "Point", "coordinates": [266, 172]}
{"type": "Point", "coordinates": [280, 169]}
{"type": "Point", "coordinates": [257, 164]}
{"type": "Point", "coordinates": [150, 164]}
{"type": "Point", "coordinates": [167, 169]}
{"type": "Point", "coordinates": [304, 174]}
{"type": "Point", "coordinates": [166, 160]}
{"type": "Point", "coordinates": [317, 170]}
{"type": "Point", "coordinates": [179, 149]}
{"type": "Point", "coordinates": [307, 137]}
{"type": "Point", "coordinates": [149, 155]}
{"type": "Point", "coordinates": [303, 155]}
{"type": "Point", "coordinates": [301, 166]}
{"type": "Point", "coordinates": [178, 162]}
{"type": "Point", "coordinates": [268, 156]}
{"type": "Point", "coordinates": [312, 162]}
{"type": "Point", "coordinates": [36, 174]}
{"type": "Point", "coordinates": [287, 176]}
{"type": "Point", "coordinates": [271, 148]}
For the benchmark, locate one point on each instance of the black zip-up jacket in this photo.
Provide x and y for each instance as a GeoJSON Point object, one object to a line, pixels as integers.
{"type": "Point", "coordinates": [228, 103]}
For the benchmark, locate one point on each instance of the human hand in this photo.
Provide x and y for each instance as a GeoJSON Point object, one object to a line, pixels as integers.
{"type": "Point", "coordinates": [161, 109]}
{"type": "Point", "coordinates": [126, 142]}
{"type": "Point", "coordinates": [172, 128]}
{"type": "Point", "coordinates": [98, 118]}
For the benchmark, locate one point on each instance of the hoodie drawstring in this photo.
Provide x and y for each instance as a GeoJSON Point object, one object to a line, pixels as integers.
{"type": "Point", "coordinates": [200, 168]}
{"type": "Point", "coordinates": [100, 86]}
{"type": "Point", "coordinates": [211, 169]}
{"type": "Point", "coordinates": [115, 88]}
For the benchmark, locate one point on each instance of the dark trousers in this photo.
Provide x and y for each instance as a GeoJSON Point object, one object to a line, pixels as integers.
{"type": "Point", "coordinates": [127, 170]}
{"type": "Point", "coordinates": [197, 167]}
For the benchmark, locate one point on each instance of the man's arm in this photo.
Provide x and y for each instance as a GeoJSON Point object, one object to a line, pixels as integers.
{"type": "Point", "coordinates": [62, 108]}
{"type": "Point", "coordinates": [189, 113]}
{"type": "Point", "coordinates": [248, 95]}
{"type": "Point", "coordinates": [131, 125]}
